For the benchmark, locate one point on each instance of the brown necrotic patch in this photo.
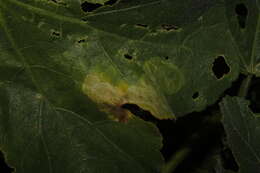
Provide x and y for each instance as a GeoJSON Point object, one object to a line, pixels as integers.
{"type": "Point", "coordinates": [220, 67]}
{"type": "Point", "coordinates": [110, 92]}
{"type": "Point", "coordinates": [117, 113]}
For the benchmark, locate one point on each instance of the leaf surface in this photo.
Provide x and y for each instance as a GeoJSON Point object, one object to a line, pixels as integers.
{"type": "Point", "coordinates": [168, 51]}
{"type": "Point", "coordinates": [66, 73]}
{"type": "Point", "coordinates": [36, 135]}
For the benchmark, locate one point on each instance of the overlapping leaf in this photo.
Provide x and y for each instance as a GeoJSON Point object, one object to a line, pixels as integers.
{"type": "Point", "coordinates": [243, 133]}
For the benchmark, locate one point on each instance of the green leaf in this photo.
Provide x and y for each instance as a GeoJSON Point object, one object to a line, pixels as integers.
{"type": "Point", "coordinates": [36, 135]}
{"type": "Point", "coordinates": [244, 21]}
{"type": "Point", "coordinates": [65, 75]}
{"type": "Point", "coordinates": [243, 133]}
{"type": "Point", "coordinates": [171, 53]}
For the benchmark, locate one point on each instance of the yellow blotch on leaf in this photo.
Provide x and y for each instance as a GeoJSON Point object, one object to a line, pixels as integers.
{"type": "Point", "coordinates": [110, 91]}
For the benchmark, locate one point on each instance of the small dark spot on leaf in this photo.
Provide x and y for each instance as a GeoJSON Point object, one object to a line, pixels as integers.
{"type": "Point", "coordinates": [169, 27]}
{"type": "Point", "coordinates": [127, 56]}
{"type": "Point", "coordinates": [138, 111]}
{"type": "Point", "coordinates": [111, 2]}
{"type": "Point", "coordinates": [81, 41]}
{"type": "Point", "coordinates": [228, 160]}
{"type": "Point", "coordinates": [55, 33]}
{"type": "Point", "coordinates": [166, 57]}
{"type": "Point", "coordinates": [195, 95]}
{"type": "Point", "coordinates": [220, 67]}
{"type": "Point", "coordinates": [3, 165]}
{"type": "Point", "coordinates": [242, 12]}
{"type": "Point", "coordinates": [89, 7]}
{"type": "Point", "coordinates": [142, 25]}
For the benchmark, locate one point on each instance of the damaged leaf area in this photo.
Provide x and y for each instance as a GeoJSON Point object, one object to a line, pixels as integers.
{"type": "Point", "coordinates": [70, 70]}
{"type": "Point", "coordinates": [107, 87]}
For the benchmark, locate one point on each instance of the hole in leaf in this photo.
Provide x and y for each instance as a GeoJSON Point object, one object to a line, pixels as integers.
{"type": "Point", "coordinates": [56, 34]}
{"type": "Point", "coordinates": [242, 12]}
{"type": "Point", "coordinates": [3, 165]}
{"type": "Point", "coordinates": [169, 27]}
{"type": "Point", "coordinates": [195, 95]}
{"type": "Point", "coordinates": [142, 25]}
{"type": "Point", "coordinates": [127, 56]}
{"type": "Point", "coordinates": [228, 160]}
{"type": "Point", "coordinates": [81, 41]}
{"type": "Point", "coordinates": [111, 2]}
{"type": "Point", "coordinates": [220, 67]}
{"type": "Point", "coordinates": [89, 7]}
{"type": "Point", "coordinates": [138, 111]}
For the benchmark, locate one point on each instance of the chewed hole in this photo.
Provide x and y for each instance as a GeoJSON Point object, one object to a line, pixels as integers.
{"type": "Point", "coordinates": [195, 95]}
{"type": "Point", "coordinates": [169, 27]}
{"type": "Point", "coordinates": [127, 56]}
{"type": "Point", "coordinates": [242, 12]}
{"type": "Point", "coordinates": [89, 7]}
{"type": "Point", "coordinates": [220, 67]}
{"type": "Point", "coordinates": [111, 2]}
{"type": "Point", "coordinates": [3, 165]}
{"type": "Point", "coordinates": [56, 34]}
{"type": "Point", "coordinates": [142, 25]}
{"type": "Point", "coordinates": [82, 41]}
